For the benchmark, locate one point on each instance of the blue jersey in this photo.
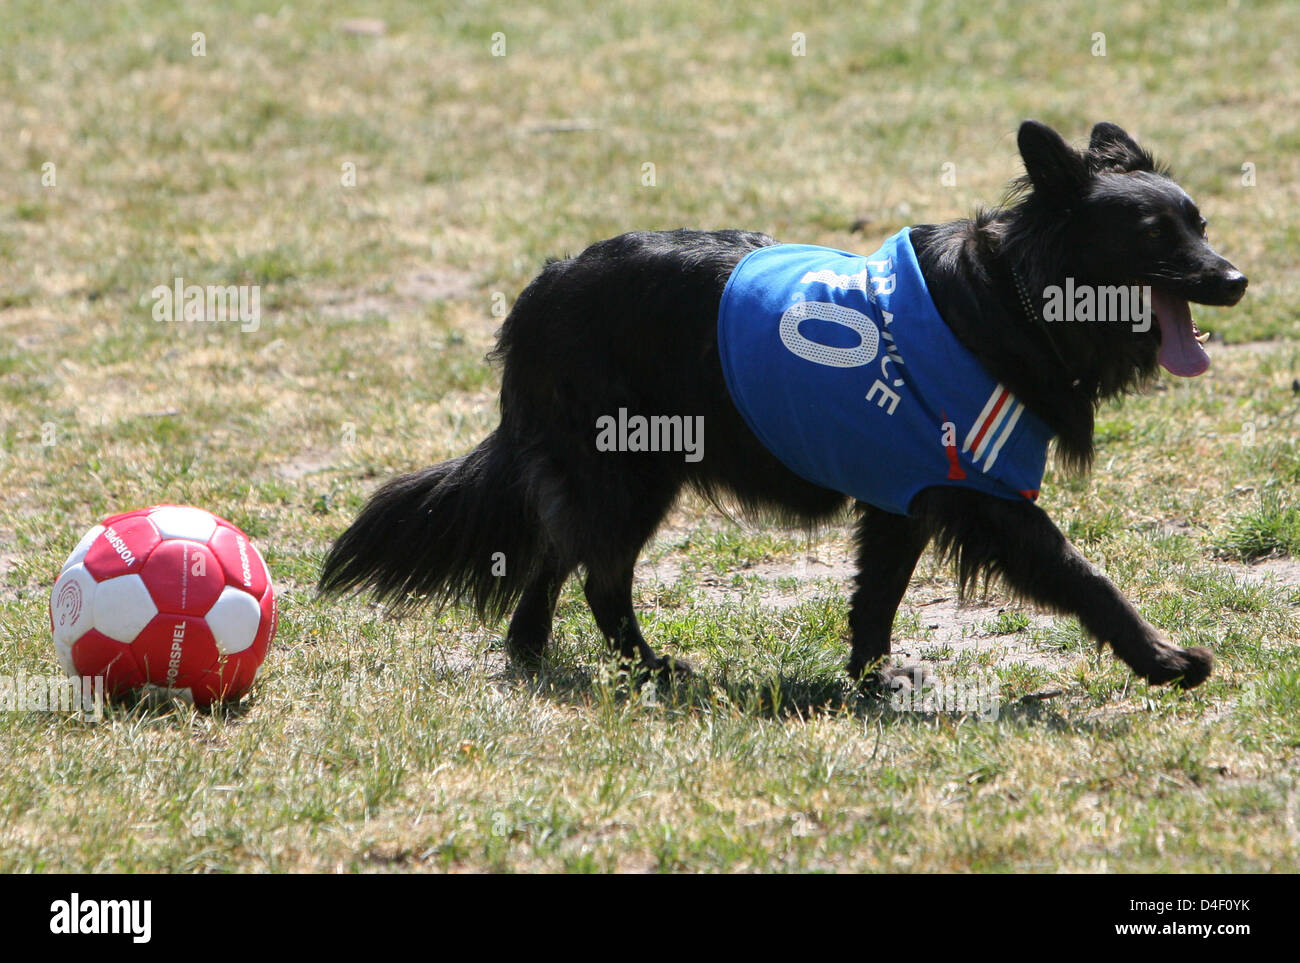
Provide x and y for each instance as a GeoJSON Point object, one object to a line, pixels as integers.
{"type": "Point", "coordinates": [843, 368]}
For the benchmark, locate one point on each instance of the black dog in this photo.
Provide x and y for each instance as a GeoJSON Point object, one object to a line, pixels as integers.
{"type": "Point", "coordinates": [632, 323]}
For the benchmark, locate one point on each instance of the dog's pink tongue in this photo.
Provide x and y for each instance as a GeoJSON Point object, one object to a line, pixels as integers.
{"type": "Point", "coordinates": [1180, 352]}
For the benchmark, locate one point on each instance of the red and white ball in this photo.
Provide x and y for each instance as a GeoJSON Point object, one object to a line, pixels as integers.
{"type": "Point", "coordinates": [167, 598]}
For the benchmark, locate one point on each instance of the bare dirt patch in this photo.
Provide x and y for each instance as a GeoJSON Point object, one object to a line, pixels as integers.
{"type": "Point", "coordinates": [1285, 571]}
{"type": "Point", "coordinates": [404, 295]}
{"type": "Point", "coordinates": [948, 627]}
{"type": "Point", "coordinates": [309, 462]}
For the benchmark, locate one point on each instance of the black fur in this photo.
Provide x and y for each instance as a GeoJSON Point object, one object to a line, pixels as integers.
{"type": "Point", "coordinates": [631, 323]}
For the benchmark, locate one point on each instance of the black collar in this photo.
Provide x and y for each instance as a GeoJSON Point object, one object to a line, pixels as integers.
{"type": "Point", "coordinates": [1030, 315]}
{"type": "Point", "coordinates": [1035, 319]}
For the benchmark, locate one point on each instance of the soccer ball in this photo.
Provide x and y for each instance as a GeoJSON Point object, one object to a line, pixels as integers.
{"type": "Point", "coordinates": [167, 600]}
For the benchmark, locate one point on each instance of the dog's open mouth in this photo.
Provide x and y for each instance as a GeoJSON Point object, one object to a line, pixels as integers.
{"type": "Point", "coordinates": [1181, 350]}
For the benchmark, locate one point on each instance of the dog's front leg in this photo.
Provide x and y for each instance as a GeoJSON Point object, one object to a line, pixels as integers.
{"type": "Point", "coordinates": [1016, 540]}
{"type": "Point", "coordinates": [888, 548]}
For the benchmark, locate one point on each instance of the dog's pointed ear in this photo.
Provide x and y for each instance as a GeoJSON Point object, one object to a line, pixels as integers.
{"type": "Point", "coordinates": [1111, 148]}
{"type": "Point", "coordinates": [1108, 136]}
{"type": "Point", "coordinates": [1057, 171]}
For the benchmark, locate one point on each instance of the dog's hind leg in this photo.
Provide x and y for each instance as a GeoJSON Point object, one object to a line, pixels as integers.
{"type": "Point", "coordinates": [530, 627]}
{"type": "Point", "coordinates": [1017, 541]}
{"type": "Point", "coordinates": [600, 516]}
{"type": "Point", "coordinates": [888, 548]}
{"type": "Point", "coordinates": [609, 593]}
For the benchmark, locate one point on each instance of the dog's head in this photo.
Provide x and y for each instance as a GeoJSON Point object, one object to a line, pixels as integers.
{"type": "Point", "coordinates": [1125, 222]}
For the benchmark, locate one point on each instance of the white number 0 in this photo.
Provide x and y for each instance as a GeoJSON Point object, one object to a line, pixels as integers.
{"type": "Point", "coordinates": [809, 350]}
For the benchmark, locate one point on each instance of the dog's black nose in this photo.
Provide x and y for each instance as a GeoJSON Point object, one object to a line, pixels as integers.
{"type": "Point", "coordinates": [1234, 285]}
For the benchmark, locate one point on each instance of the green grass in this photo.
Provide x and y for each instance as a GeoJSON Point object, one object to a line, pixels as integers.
{"type": "Point", "coordinates": [1008, 623]}
{"type": "Point", "coordinates": [1270, 528]}
{"type": "Point", "coordinates": [378, 744]}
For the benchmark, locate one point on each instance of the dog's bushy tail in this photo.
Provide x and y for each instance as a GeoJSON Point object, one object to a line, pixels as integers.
{"type": "Point", "coordinates": [458, 532]}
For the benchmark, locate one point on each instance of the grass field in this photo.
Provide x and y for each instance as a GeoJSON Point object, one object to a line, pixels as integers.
{"type": "Point", "coordinates": [389, 191]}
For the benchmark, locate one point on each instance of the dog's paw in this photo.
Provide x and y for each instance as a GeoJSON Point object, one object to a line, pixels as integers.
{"type": "Point", "coordinates": [526, 662]}
{"type": "Point", "coordinates": [670, 669]}
{"type": "Point", "coordinates": [899, 678]}
{"type": "Point", "coordinates": [673, 680]}
{"type": "Point", "coordinates": [1186, 668]}
{"type": "Point", "coordinates": [527, 651]}
{"type": "Point", "coordinates": [663, 669]}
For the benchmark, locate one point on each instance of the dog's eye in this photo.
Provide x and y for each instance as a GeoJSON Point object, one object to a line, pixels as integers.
{"type": "Point", "coordinates": [1153, 232]}
{"type": "Point", "coordinates": [1203, 225]}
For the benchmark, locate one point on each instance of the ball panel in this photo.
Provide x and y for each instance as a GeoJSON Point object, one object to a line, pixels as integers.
{"type": "Point", "coordinates": [183, 577]}
{"type": "Point", "coordinates": [123, 607]}
{"type": "Point", "coordinates": [224, 682]}
{"type": "Point", "coordinates": [244, 667]}
{"type": "Point", "coordinates": [247, 664]}
{"type": "Point", "coordinates": [96, 654]}
{"type": "Point", "coordinates": [174, 650]}
{"type": "Point", "coordinates": [83, 546]}
{"type": "Point", "coordinates": [239, 557]}
{"type": "Point", "coordinates": [123, 516]}
{"type": "Point", "coordinates": [259, 563]}
{"type": "Point", "coordinates": [234, 620]}
{"type": "Point", "coordinates": [266, 630]}
{"type": "Point", "coordinates": [72, 606]}
{"type": "Point", "coordinates": [121, 547]}
{"type": "Point", "coordinates": [63, 652]}
{"type": "Point", "coordinates": [181, 521]}
{"type": "Point", "coordinates": [246, 671]}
